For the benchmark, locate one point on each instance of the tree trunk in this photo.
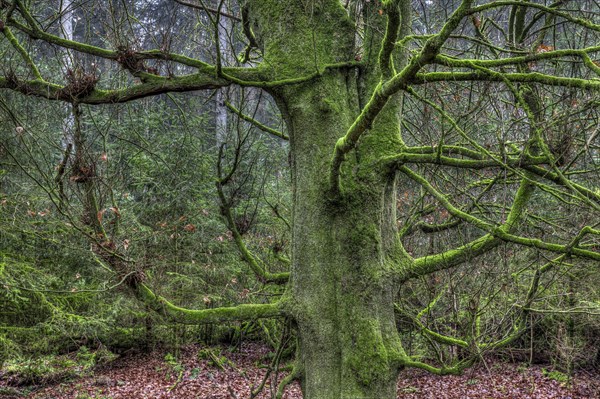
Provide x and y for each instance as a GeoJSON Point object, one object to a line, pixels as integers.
{"type": "Point", "coordinates": [341, 289]}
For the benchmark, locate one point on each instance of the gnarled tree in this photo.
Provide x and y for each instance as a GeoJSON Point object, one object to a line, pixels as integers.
{"type": "Point", "coordinates": [345, 75]}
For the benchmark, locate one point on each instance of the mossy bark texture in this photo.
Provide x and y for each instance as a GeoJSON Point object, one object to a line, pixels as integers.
{"type": "Point", "coordinates": [341, 292]}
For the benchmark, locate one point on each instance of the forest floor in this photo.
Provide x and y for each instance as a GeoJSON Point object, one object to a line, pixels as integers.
{"type": "Point", "coordinates": [217, 373]}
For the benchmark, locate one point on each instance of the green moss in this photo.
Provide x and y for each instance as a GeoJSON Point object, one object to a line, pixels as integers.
{"type": "Point", "coordinates": [330, 105]}
{"type": "Point", "coordinates": [301, 38]}
{"type": "Point", "coordinates": [366, 354]}
{"type": "Point", "coordinates": [205, 316]}
{"type": "Point", "coordinates": [556, 376]}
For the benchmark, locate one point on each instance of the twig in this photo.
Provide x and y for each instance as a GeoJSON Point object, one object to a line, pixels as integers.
{"type": "Point", "coordinates": [208, 9]}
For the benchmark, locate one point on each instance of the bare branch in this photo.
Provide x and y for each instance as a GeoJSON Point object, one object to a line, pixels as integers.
{"type": "Point", "coordinates": [256, 123]}
{"type": "Point", "coordinates": [208, 9]}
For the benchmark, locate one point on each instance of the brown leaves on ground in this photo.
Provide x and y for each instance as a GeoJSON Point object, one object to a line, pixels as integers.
{"type": "Point", "coordinates": [497, 381]}
{"type": "Point", "coordinates": [152, 376]}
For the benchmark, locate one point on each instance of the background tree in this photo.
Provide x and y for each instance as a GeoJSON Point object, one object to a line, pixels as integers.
{"type": "Point", "coordinates": [460, 114]}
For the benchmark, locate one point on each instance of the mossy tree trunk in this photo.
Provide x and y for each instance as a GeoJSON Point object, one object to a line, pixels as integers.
{"type": "Point", "coordinates": [341, 289]}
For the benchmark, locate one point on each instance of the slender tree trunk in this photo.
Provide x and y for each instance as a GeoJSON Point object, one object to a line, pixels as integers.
{"type": "Point", "coordinates": [224, 31]}
{"type": "Point", "coordinates": [66, 23]}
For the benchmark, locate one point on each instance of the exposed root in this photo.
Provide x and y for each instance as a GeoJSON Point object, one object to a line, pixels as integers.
{"type": "Point", "coordinates": [294, 375]}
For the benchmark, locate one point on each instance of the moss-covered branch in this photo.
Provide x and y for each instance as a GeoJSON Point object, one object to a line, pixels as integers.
{"type": "Point", "coordinates": [387, 89]}
{"type": "Point", "coordinates": [258, 269]}
{"type": "Point", "coordinates": [205, 316]}
{"type": "Point", "coordinates": [153, 85]}
{"type": "Point", "coordinates": [443, 339]}
{"type": "Point", "coordinates": [21, 50]}
{"type": "Point", "coordinates": [521, 60]}
{"type": "Point", "coordinates": [590, 64]}
{"type": "Point", "coordinates": [432, 263]}
{"type": "Point", "coordinates": [530, 106]}
{"type": "Point", "coordinates": [501, 232]}
{"type": "Point", "coordinates": [242, 74]}
{"type": "Point", "coordinates": [445, 149]}
{"type": "Point", "coordinates": [391, 33]}
{"type": "Point", "coordinates": [497, 159]}
{"type": "Point", "coordinates": [251, 77]}
{"type": "Point", "coordinates": [533, 77]}
{"type": "Point", "coordinates": [557, 248]}
{"type": "Point", "coordinates": [436, 159]}
{"type": "Point", "coordinates": [445, 201]}
{"type": "Point", "coordinates": [255, 264]}
{"type": "Point", "coordinates": [453, 370]}
{"type": "Point", "coordinates": [252, 43]}
{"type": "Point", "coordinates": [547, 9]}
{"type": "Point", "coordinates": [33, 30]}
{"type": "Point", "coordinates": [438, 227]}
{"type": "Point", "coordinates": [295, 80]}
{"type": "Point", "coordinates": [209, 10]}
{"type": "Point", "coordinates": [555, 178]}
{"type": "Point", "coordinates": [295, 374]}
{"type": "Point", "coordinates": [517, 328]}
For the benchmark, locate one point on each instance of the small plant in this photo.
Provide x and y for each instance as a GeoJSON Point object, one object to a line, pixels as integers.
{"type": "Point", "coordinates": [214, 360]}
{"type": "Point", "coordinates": [174, 365]}
{"type": "Point", "coordinates": [88, 396]}
{"type": "Point", "coordinates": [104, 356]}
{"type": "Point", "coordinates": [40, 370]}
{"type": "Point", "coordinates": [410, 389]}
{"type": "Point", "coordinates": [522, 367]}
{"type": "Point", "coordinates": [85, 358]}
{"type": "Point", "coordinates": [176, 368]}
{"type": "Point", "coordinates": [556, 375]}
{"type": "Point", "coordinates": [194, 373]}
{"type": "Point", "coordinates": [11, 392]}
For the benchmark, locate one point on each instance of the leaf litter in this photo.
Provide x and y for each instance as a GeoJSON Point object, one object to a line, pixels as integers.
{"type": "Point", "coordinates": [233, 375]}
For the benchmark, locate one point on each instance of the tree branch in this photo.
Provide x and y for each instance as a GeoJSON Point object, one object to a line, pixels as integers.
{"type": "Point", "coordinates": [21, 50]}
{"type": "Point", "coordinates": [206, 316]}
{"type": "Point", "coordinates": [256, 123]}
{"type": "Point", "coordinates": [152, 85]}
{"type": "Point", "coordinates": [501, 232]}
{"type": "Point", "coordinates": [385, 90]}
{"type": "Point", "coordinates": [548, 9]}
{"type": "Point", "coordinates": [210, 10]}
{"type": "Point", "coordinates": [389, 39]}
{"type": "Point", "coordinates": [259, 270]}
{"type": "Point", "coordinates": [521, 60]}
{"type": "Point", "coordinates": [404, 158]}
{"type": "Point", "coordinates": [532, 77]}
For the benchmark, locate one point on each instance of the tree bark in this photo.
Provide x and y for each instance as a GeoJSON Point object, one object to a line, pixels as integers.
{"type": "Point", "coordinates": [341, 291]}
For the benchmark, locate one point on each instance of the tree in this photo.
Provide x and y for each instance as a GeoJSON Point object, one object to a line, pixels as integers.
{"type": "Point", "coordinates": [344, 75]}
